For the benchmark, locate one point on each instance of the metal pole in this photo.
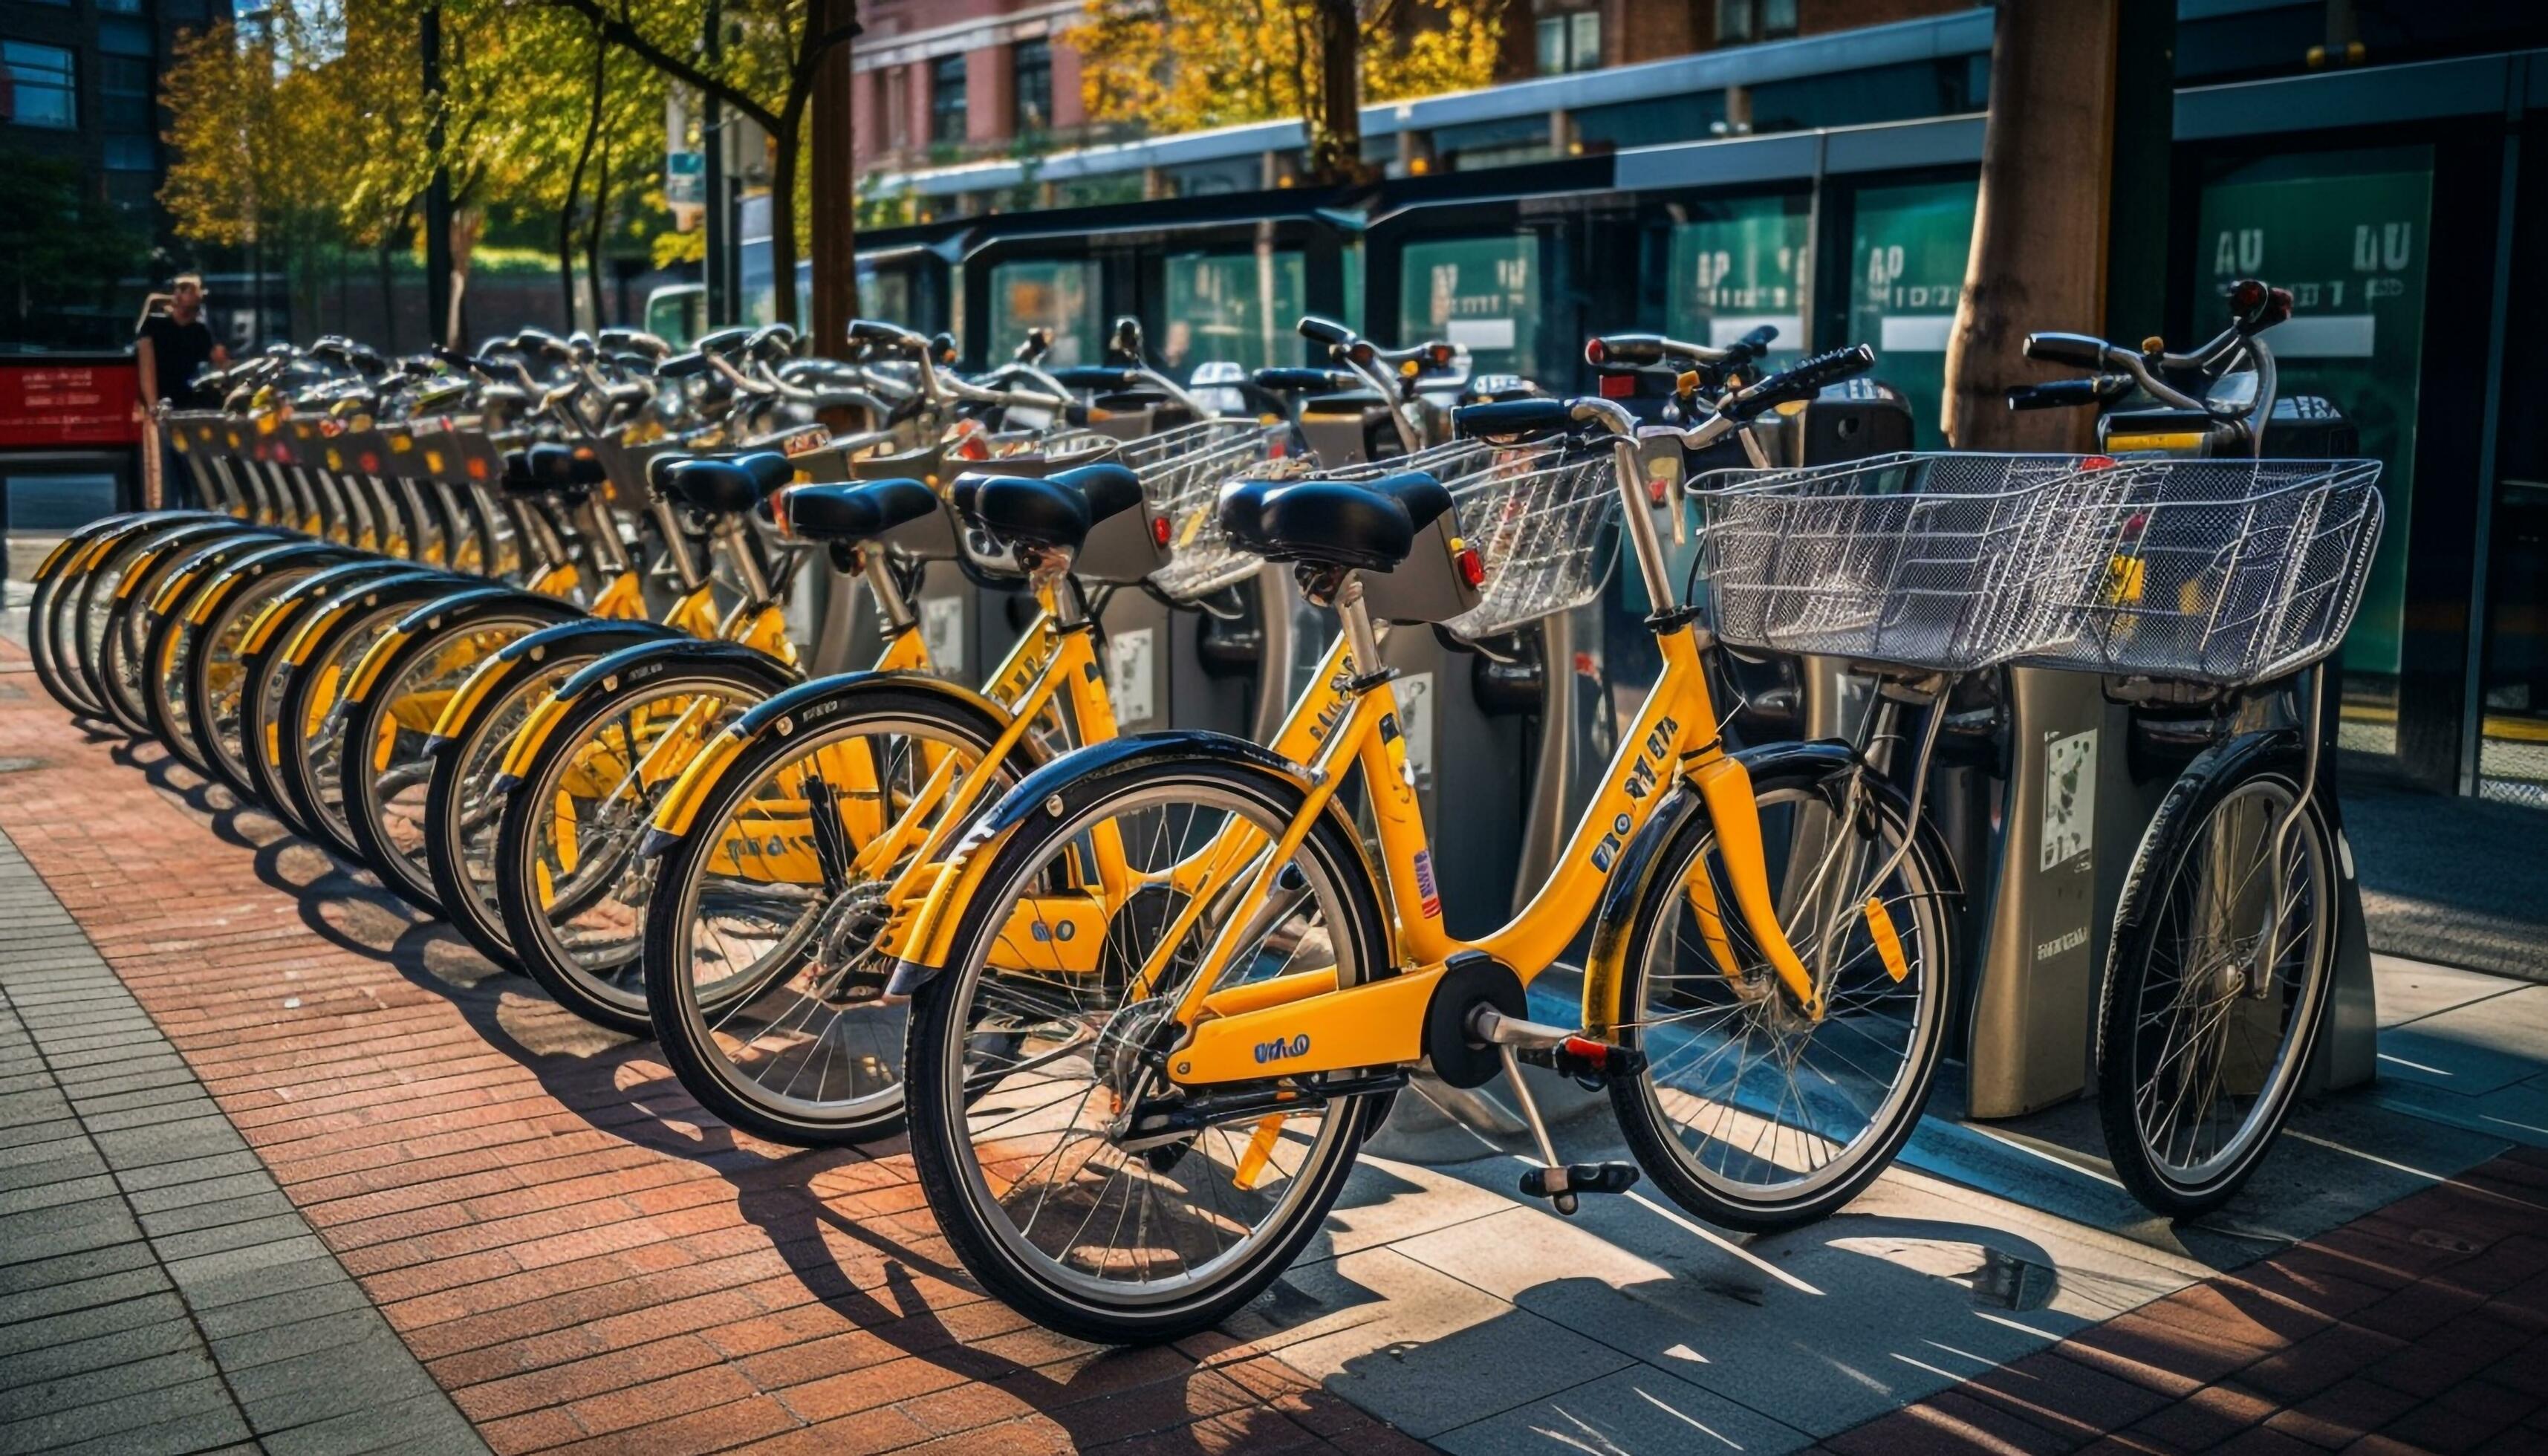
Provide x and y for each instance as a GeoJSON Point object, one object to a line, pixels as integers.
{"type": "Point", "coordinates": [720, 219]}
{"type": "Point", "coordinates": [437, 193]}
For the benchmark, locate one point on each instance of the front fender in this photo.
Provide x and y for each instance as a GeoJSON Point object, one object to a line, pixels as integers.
{"type": "Point", "coordinates": [959, 881]}
{"type": "Point", "coordinates": [806, 702]}
{"type": "Point", "coordinates": [1634, 880]}
{"type": "Point", "coordinates": [425, 617]}
{"type": "Point", "coordinates": [583, 637]}
{"type": "Point", "coordinates": [629, 666]}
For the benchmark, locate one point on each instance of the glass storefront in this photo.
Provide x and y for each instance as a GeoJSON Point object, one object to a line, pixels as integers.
{"type": "Point", "coordinates": [1907, 254]}
{"type": "Point", "coordinates": [1231, 306]}
{"type": "Point", "coordinates": [1482, 292]}
{"type": "Point", "coordinates": [1061, 295]}
{"type": "Point", "coordinates": [2345, 232]}
{"type": "Point", "coordinates": [1735, 265]}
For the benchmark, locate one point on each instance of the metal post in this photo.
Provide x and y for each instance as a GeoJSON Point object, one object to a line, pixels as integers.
{"type": "Point", "coordinates": [718, 266]}
{"type": "Point", "coordinates": [438, 325]}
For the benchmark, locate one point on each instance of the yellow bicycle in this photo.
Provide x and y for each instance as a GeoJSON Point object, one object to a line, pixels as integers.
{"type": "Point", "coordinates": [1161, 992]}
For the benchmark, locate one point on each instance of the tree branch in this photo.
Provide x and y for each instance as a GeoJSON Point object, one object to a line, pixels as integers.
{"type": "Point", "coordinates": [631, 40]}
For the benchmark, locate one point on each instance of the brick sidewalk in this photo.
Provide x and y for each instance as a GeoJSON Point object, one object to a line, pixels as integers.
{"type": "Point", "coordinates": [577, 1253]}
{"type": "Point", "coordinates": [583, 1259]}
{"type": "Point", "coordinates": [2422, 1327]}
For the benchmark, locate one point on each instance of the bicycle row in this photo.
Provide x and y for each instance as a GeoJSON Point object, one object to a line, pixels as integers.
{"type": "Point", "coordinates": [1138, 999]}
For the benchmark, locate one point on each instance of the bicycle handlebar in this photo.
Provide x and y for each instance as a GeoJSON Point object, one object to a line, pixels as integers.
{"type": "Point", "coordinates": [2069, 394]}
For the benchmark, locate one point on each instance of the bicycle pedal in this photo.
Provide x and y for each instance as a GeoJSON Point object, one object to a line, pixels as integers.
{"type": "Point", "coordinates": [1560, 1185]}
{"type": "Point", "coordinates": [1590, 1064]}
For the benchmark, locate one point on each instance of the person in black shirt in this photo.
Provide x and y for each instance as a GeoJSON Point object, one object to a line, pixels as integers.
{"type": "Point", "coordinates": [171, 346]}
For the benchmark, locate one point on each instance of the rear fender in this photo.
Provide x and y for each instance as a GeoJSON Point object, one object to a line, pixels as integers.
{"type": "Point", "coordinates": [585, 637]}
{"type": "Point", "coordinates": [981, 854]}
{"type": "Point", "coordinates": [805, 704]}
{"type": "Point", "coordinates": [256, 564]}
{"type": "Point", "coordinates": [629, 668]}
{"type": "Point", "coordinates": [428, 617]}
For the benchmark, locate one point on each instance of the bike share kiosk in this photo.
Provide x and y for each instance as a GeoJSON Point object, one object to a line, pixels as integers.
{"type": "Point", "coordinates": [2083, 763]}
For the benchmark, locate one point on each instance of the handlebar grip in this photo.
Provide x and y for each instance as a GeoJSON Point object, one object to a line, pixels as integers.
{"type": "Point", "coordinates": [1803, 382]}
{"type": "Point", "coordinates": [1527, 419]}
{"type": "Point", "coordinates": [1324, 330]}
{"type": "Point", "coordinates": [878, 331]}
{"type": "Point", "coordinates": [1751, 345]}
{"type": "Point", "coordinates": [2069, 394]}
{"type": "Point", "coordinates": [1623, 350]}
{"type": "Point", "coordinates": [1303, 381]}
{"type": "Point", "coordinates": [1097, 376]}
{"type": "Point", "coordinates": [2075, 350]}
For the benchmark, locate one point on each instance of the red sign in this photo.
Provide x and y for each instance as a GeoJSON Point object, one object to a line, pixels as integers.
{"type": "Point", "coordinates": [51, 404]}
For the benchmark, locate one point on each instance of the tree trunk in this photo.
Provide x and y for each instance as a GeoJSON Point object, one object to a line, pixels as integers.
{"type": "Point", "coordinates": [389, 291]}
{"type": "Point", "coordinates": [2039, 252]}
{"type": "Point", "coordinates": [575, 182]}
{"type": "Point", "coordinates": [835, 186]}
{"type": "Point", "coordinates": [1334, 114]}
{"type": "Point", "coordinates": [592, 233]}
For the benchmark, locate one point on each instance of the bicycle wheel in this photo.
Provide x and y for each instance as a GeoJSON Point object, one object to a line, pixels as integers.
{"type": "Point", "coordinates": [169, 629]}
{"type": "Point", "coordinates": [215, 671]}
{"type": "Point", "coordinates": [1039, 1049]}
{"type": "Point", "coordinates": [112, 607]}
{"type": "Point", "coordinates": [383, 784]}
{"type": "Point", "coordinates": [569, 880]}
{"type": "Point", "coordinates": [311, 741]}
{"type": "Point", "coordinates": [463, 812]}
{"type": "Point", "coordinates": [762, 969]}
{"type": "Point", "coordinates": [2200, 1048]}
{"type": "Point", "coordinates": [268, 668]}
{"type": "Point", "coordinates": [1749, 1114]}
{"type": "Point", "coordinates": [52, 611]}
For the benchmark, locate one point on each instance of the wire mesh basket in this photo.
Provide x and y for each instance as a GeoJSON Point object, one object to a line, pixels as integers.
{"type": "Point", "coordinates": [1182, 471]}
{"type": "Point", "coordinates": [1534, 513]}
{"type": "Point", "coordinates": [1936, 563]}
{"type": "Point", "coordinates": [2223, 572]}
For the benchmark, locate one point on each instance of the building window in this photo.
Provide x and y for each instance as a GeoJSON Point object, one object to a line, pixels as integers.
{"type": "Point", "coordinates": [1738, 21]}
{"type": "Point", "coordinates": [42, 89]}
{"type": "Point", "coordinates": [1031, 64]}
{"type": "Point", "coordinates": [130, 155]}
{"type": "Point", "coordinates": [1570, 43]}
{"type": "Point", "coordinates": [120, 7]}
{"type": "Point", "coordinates": [897, 106]}
{"type": "Point", "coordinates": [124, 94]}
{"type": "Point", "coordinates": [947, 99]}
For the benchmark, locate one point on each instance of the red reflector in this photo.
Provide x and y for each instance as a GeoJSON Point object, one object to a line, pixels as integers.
{"type": "Point", "coordinates": [1473, 566]}
{"type": "Point", "coordinates": [1594, 351]}
{"type": "Point", "coordinates": [1618, 386]}
{"type": "Point", "coordinates": [1159, 529]}
{"type": "Point", "coordinates": [2097, 462]}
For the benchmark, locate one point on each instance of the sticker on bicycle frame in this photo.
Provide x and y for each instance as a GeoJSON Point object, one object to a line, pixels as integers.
{"type": "Point", "coordinates": [1428, 895]}
{"type": "Point", "coordinates": [1129, 676]}
{"type": "Point", "coordinates": [1415, 722]}
{"type": "Point", "coordinates": [2069, 797]}
{"type": "Point", "coordinates": [941, 629]}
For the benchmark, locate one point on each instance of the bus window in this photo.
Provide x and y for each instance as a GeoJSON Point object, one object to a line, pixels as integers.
{"type": "Point", "coordinates": [1059, 296]}
{"type": "Point", "coordinates": [1736, 265]}
{"type": "Point", "coordinates": [1235, 308]}
{"type": "Point", "coordinates": [2346, 232]}
{"type": "Point", "coordinates": [1906, 272]}
{"type": "Point", "coordinates": [678, 313]}
{"type": "Point", "coordinates": [886, 294]}
{"type": "Point", "coordinates": [1482, 292]}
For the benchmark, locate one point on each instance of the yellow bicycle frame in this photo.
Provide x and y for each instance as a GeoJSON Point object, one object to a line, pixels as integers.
{"type": "Point", "coordinates": [1381, 1021]}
